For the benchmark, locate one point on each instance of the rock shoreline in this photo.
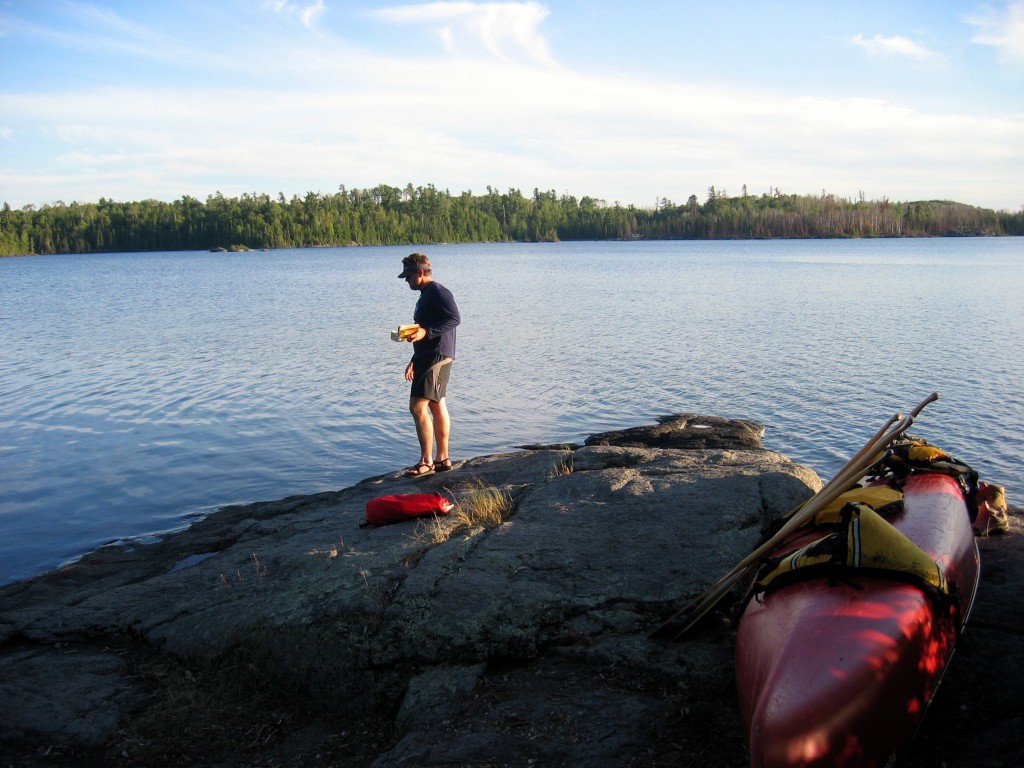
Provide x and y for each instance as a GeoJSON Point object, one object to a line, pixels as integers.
{"type": "Point", "coordinates": [284, 633]}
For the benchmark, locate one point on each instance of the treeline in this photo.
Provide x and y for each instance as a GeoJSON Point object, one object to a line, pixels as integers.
{"type": "Point", "coordinates": [388, 215]}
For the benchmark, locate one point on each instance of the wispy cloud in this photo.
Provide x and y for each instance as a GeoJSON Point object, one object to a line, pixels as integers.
{"type": "Point", "coordinates": [501, 29]}
{"type": "Point", "coordinates": [307, 14]}
{"type": "Point", "coordinates": [895, 45]}
{"type": "Point", "coordinates": [102, 32]}
{"type": "Point", "coordinates": [546, 129]}
{"type": "Point", "coordinates": [1002, 29]}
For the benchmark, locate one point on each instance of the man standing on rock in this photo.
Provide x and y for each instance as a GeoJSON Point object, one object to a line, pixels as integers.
{"type": "Point", "coordinates": [433, 351]}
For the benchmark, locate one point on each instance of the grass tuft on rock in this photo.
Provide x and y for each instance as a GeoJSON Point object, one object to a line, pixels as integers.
{"type": "Point", "coordinates": [476, 506]}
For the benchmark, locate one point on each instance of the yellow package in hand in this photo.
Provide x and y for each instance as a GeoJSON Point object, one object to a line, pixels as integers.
{"type": "Point", "coordinates": [404, 332]}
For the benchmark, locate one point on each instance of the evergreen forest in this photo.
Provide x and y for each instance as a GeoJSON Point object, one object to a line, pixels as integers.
{"type": "Point", "coordinates": [388, 215]}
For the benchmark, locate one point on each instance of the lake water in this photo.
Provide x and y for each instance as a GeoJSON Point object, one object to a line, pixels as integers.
{"type": "Point", "coordinates": [141, 391]}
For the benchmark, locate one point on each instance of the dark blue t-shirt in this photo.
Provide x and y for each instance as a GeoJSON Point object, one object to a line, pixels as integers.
{"type": "Point", "coordinates": [437, 312]}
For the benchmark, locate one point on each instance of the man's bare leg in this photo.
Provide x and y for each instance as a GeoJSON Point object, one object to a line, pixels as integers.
{"type": "Point", "coordinates": [442, 427]}
{"type": "Point", "coordinates": [421, 408]}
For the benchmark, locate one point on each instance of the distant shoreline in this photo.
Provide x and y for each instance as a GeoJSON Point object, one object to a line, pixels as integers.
{"type": "Point", "coordinates": [427, 216]}
{"type": "Point", "coordinates": [241, 250]}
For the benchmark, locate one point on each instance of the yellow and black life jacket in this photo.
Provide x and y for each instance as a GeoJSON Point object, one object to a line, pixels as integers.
{"type": "Point", "coordinates": [864, 543]}
{"type": "Point", "coordinates": [910, 455]}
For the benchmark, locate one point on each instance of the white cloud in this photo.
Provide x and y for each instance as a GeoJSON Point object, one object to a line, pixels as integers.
{"type": "Point", "coordinates": [501, 29]}
{"type": "Point", "coordinates": [307, 14]}
{"type": "Point", "coordinates": [880, 45]}
{"type": "Point", "coordinates": [549, 129]}
{"type": "Point", "coordinates": [1003, 30]}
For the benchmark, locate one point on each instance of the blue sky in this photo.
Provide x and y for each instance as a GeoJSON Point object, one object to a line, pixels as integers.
{"type": "Point", "coordinates": [625, 102]}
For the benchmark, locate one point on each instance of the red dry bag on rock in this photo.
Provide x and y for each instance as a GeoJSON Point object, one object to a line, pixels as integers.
{"type": "Point", "coordinates": [402, 506]}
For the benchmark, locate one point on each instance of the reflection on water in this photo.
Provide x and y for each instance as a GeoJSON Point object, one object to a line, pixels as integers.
{"type": "Point", "coordinates": [142, 390]}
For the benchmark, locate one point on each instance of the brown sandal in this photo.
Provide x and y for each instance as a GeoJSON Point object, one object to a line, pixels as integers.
{"type": "Point", "coordinates": [443, 465]}
{"type": "Point", "coordinates": [420, 470]}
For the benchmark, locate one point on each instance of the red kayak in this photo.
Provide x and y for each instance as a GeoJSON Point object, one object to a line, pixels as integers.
{"type": "Point", "coordinates": [839, 671]}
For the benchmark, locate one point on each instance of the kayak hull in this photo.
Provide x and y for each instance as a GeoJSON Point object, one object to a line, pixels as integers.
{"type": "Point", "coordinates": [841, 674]}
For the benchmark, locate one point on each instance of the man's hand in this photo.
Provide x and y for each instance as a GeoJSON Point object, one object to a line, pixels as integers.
{"type": "Point", "coordinates": [409, 372]}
